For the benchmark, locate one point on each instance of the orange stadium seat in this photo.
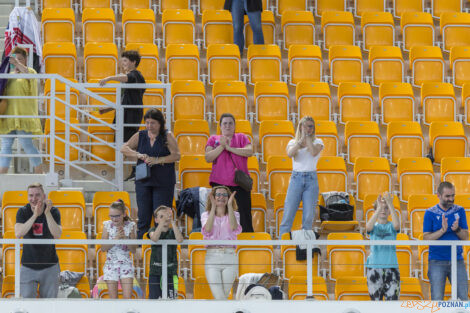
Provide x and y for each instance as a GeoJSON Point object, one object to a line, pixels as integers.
{"type": "Point", "coordinates": [71, 204]}
{"type": "Point", "coordinates": [427, 65]}
{"type": "Point", "coordinates": [255, 259]}
{"type": "Point", "coordinates": [259, 212]}
{"type": "Point", "coordinates": [271, 101]}
{"type": "Point", "coordinates": [194, 171]}
{"type": "Point", "coordinates": [327, 132]}
{"type": "Point", "coordinates": [351, 288]}
{"type": "Point", "coordinates": [173, 4]}
{"type": "Point", "coordinates": [362, 7]}
{"type": "Point", "coordinates": [291, 267]}
{"type": "Point", "coordinates": [148, 65]}
{"type": "Point", "coordinates": [438, 7]}
{"type": "Point", "coordinates": [410, 288]}
{"type": "Point", "coordinates": [268, 26]}
{"type": "Point", "coordinates": [207, 5]}
{"type": "Point", "coordinates": [60, 94]}
{"type": "Point", "coordinates": [73, 257]}
{"type": "Point", "coordinates": [332, 174]}
{"type": "Point", "coordinates": [253, 169]}
{"type": "Point", "coordinates": [188, 100]}
{"type": "Point", "coordinates": [415, 176]}
{"type": "Point", "coordinates": [346, 64]}
{"type": "Point", "coordinates": [404, 256]}
{"type": "Point", "coordinates": [223, 62]}
{"type": "Point", "coordinates": [372, 176]}
{"type": "Point", "coordinates": [60, 58]}
{"type": "Point", "coordinates": [274, 137]}
{"type": "Point", "coordinates": [138, 26]}
{"type": "Point", "coordinates": [297, 289]}
{"type": "Point", "coordinates": [386, 65]}
{"type": "Point", "coordinates": [456, 170]}
{"type": "Point", "coordinates": [378, 29]}
{"type": "Point", "coordinates": [108, 94]}
{"type": "Point", "coordinates": [305, 64]}
{"type": "Point", "coordinates": [98, 25]}
{"type": "Point", "coordinates": [100, 60]}
{"type": "Point", "coordinates": [134, 4]}
{"type": "Point", "coordinates": [264, 63]}
{"type": "Point", "coordinates": [339, 226]}
{"type": "Point", "coordinates": [417, 29]}
{"type": "Point", "coordinates": [95, 4]}
{"type": "Point", "coordinates": [355, 102]}
{"type": "Point", "coordinates": [285, 6]}
{"type": "Point", "coordinates": [178, 27]}
{"type": "Point", "coordinates": [447, 139]}
{"type": "Point", "coordinates": [60, 141]}
{"type": "Point", "coordinates": [464, 201]}
{"type": "Point", "coordinates": [102, 151]}
{"type": "Point", "coordinates": [404, 6]}
{"type": "Point", "coordinates": [191, 136]}
{"type": "Point", "coordinates": [338, 28]}
{"type": "Point", "coordinates": [455, 30]}
{"type": "Point", "coordinates": [153, 98]}
{"type": "Point", "coordinates": [465, 102]}
{"type": "Point", "coordinates": [101, 202]}
{"type": "Point", "coordinates": [278, 171]}
{"type": "Point", "coordinates": [11, 202]}
{"type": "Point", "coordinates": [438, 102]}
{"type": "Point", "coordinates": [314, 99]}
{"type": "Point", "coordinates": [345, 260]}
{"type": "Point", "coordinates": [197, 256]}
{"type": "Point", "coordinates": [396, 102]}
{"type": "Point", "coordinates": [58, 25]}
{"type": "Point", "coordinates": [459, 62]}
{"type": "Point", "coordinates": [404, 139]}
{"type": "Point", "coordinates": [8, 255]}
{"type": "Point", "coordinates": [362, 139]}
{"type": "Point", "coordinates": [368, 208]}
{"type": "Point", "coordinates": [298, 28]}
{"type": "Point", "coordinates": [417, 205]}
{"type": "Point", "coordinates": [322, 6]}
{"type": "Point", "coordinates": [217, 27]}
{"type": "Point", "coordinates": [56, 4]}
{"type": "Point", "coordinates": [279, 202]}
{"type": "Point", "coordinates": [230, 96]}
{"type": "Point", "coordinates": [182, 62]}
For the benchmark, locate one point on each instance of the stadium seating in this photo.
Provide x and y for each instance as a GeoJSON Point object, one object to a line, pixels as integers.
{"type": "Point", "coordinates": [332, 174]}
{"type": "Point", "coordinates": [278, 171]}
{"type": "Point", "coordinates": [178, 27]}
{"type": "Point", "coordinates": [417, 29]}
{"type": "Point", "coordinates": [386, 65]}
{"type": "Point", "coordinates": [322, 6]}
{"type": "Point", "coordinates": [459, 65]}
{"type": "Point", "coordinates": [402, 6]}
{"type": "Point", "coordinates": [404, 139]}
{"type": "Point", "coordinates": [182, 62]}
{"type": "Point", "coordinates": [98, 25]}
{"type": "Point", "coordinates": [447, 139]}
{"type": "Point", "coordinates": [372, 176]}
{"type": "Point", "coordinates": [274, 137]}
{"type": "Point", "coordinates": [362, 7]}
{"type": "Point", "coordinates": [60, 58]}
{"type": "Point", "coordinates": [313, 99]}
{"type": "Point", "coordinates": [351, 288]}
{"type": "Point", "coordinates": [355, 101]}
{"type": "Point", "coordinates": [327, 132]}
{"type": "Point", "coordinates": [230, 96]}
{"type": "Point", "coordinates": [415, 175]}
{"type": "Point", "coordinates": [456, 170]}
{"type": "Point", "coordinates": [188, 100]}
{"type": "Point", "coordinates": [271, 101]}
{"type": "Point", "coordinates": [297, 289]}
{"type": "Point", "coordinates": [223, 62]}
{"type": "Point", "coordinates": [298, 28]}
{"type": "Point", "coordinates": [426, 64]}
{"type": "Point", "coordinates": [345, 260]}
{"type": "Point", "coordinates": [417, 205]}
{"type": "Point", "coordinates": [346, 64]}
{"type": "Point", "coordinates": [100, 60]}
{"type": "Point", "coordinates": [173, 4]}
{"type": "Point", "coordinates": [94, 4]}
{"type": "Point", "coordinates": [255, 259]}
{"type": "Point", "coordinates": [378, 28]}
{"type": "Point", "coordinates": [305, 63]}
{"type": "Point", "coordinates": [268, 26]}
{"type": "Point", "coordinates": [264, 63]}
{"type": "Point", "coordinates": [138, 26]}
{"type": "Point", "coordinates": [438, 102]}
{"type": "Point", "coordinates": [362, 139]}
{"type": "Point", "coordinates": [337, 28]}
{"type": "Point", "coordinates": [191, 136]}
{"type": "Point", "coordinates": [396, 101]}
{"type": "Point", "coordinates": [259, 212]}
{"type": "Point", "coordinates": [217, 27]}
{"type": "Point", "coordinates": [58, 25]}
{"type": "Point", "coordinates": [439, 7]}
{"type": "Point", "coordinates": [194, 171]}
{"type": "Point", "coordinates": [455, 29]}
{"type": "Point", "coordinates": [291, 267]}
{"type": "Point", "coordinates": [11, 202]}
{"type": "Point", "coordinates": [148, 65]}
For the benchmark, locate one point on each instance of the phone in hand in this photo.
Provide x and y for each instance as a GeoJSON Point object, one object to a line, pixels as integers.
{"type": "Point", "coordinates": [12, 66]}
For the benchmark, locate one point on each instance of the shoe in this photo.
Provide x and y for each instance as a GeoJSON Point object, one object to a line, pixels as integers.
{"type": "Point", "coordinates": [132, 175]}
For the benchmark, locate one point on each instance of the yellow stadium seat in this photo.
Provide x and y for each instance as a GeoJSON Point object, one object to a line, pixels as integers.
{"type": "Point", "coordinates": [253, 169]}
{"type": "Point", "coordinates": [11, 202]}
{"type": "Point", "coordinates": [362, 139]}
{"type": "Point", "coordinates": [386, 65]}
{"type": "Point", "coordinates": [465, 103]}
{"type": "Point", "coordinates": [202, 289]}
{"type": "Point", "coordinates": [98, 25]}
{"type": "Point", "coordinates": [314, 99]}
{"type": "Point", "coordinates": [464, 201]}
{"type": "Point", "coordinates": [346, 64]}
{"type": "Point", "coordinates": [305, 64]}
{"type": "Point", "coordinates": [332, 174]}
{"type": "Point", "coordinates": [285, 6]}
{"type": "Point", "coordinates": [71, 205]}
{"type": "Point", "coordinates": [378, 29]}
{"type": "Point", "coordinates": [241, 126]}
{"type": "Point", "coordinates": [73, 257]}
{"type": "Point", "coordinates": [339, 226]}
{"type": "Point", "coordinates": [345, 260]}
{"type": "Point", "coordinates": [368, 208]}
{"type": "Point", "coordinates": [322, 6]}
{"type": "Point", "coordinates": [278, 171]}
{"type": "Point", "coordinates": [8, 255]}
{"type": "Point", "coordinates": [417, 29]}
{"type": "Point", "coordinates": [108, 94]}
{"type": "Point", "coordinates": [173, 4]}
{"type": "Point", "coordinates": [191, 136]}
{"type": "Point", "coordinates": [255, 259]}
{"type": "Point", "coordinates": [362, 7]}
{"type": "Point", "coordinates": [178, 27]}
{"type": "Point", "coordinates": [404, 6]}
{"type": "Point", "coordinates": [279, 201]}
{"type": "Point", "coordinates": [271, 101]}
{"type": "Point", "coordinates": [426, 65]}
{"type": "Point", "coordinates": [438, 7]}
{"type": "Point", "coordinates": [404, 140]}
{"type": "Point", "coordinates": [267, 25]}
{"type": "Point", "coordinates": [58, 25]}
{"type": "Point", "coordinates": [188, 100]}
{"type": "Point", "coordinates": [327, 132]}
{"type": "Point", "coordinates": [355, 101]}
{"type": "Point", "coordinates": [459, 62]}
{"type": "Point", "coordinates": [197, 257]}
{"type": "Point", "coordinates": [351, 288]}
{"type": "Point", "coordinates": [455, 30]}
{"type": "Point", "coordinates": [134, 4]}
{"type": "Point", "coordinates": [60, 58]}
{"type": "Point", "coordinates": [59, 144]}
{"type": "Point", "coordinates": [274, 137]}
{"type": "Point", "coordinates": [153, 98]}
{"type": "Point", "coordinates": [447, 139]}
{"type": "Point", "coordinates": [182, 62]}
{"type": "Point", "coordinates": [264, 63]}
{"type": "Point", "coordinates": [438, 102]}
{"type": "Point", "coordinates": [194, 171]}
{"type": "Point", "coordinates": [372, 176]}
{"type": "Point", "coordinates": [410, 288]}
{"type": "Point", "coordinates": [259, 212]}
{"type": "Point", "coordinates": [101, 202]}
{"type": "Point", "coordinates": [102, 152]}
{"type": "Point", "coordinates": [60, 93]}
{"type": "Point", "coordinates": [297, 289]}
{"type": "Point", "coordinates": [148, 65]}
{"type": "Point", "coordinates": [223, 62]}
{"type": "Point", "coordinates": [456, 170]}
{"type": "Point", "coordinates": [298, 28]}
{"type": "Point", "coordinates": [45, 4]}
{"type": "Point", "coordinates": [217, 27]}
{"type": "Point", "coordinates": [230, 96]}
{"type": "Point", "coordinates": [208, 5]}
{"type": "Point", "coordinates": [100, 60]}
{"type": "Point", "coordinates": [138, 26]}
{"type": "Point", "coordinates": [338, 28]}
{"type": "Point", "coordinates": [417, 205]}
{"type": "Point", "coordinates": [396, 102]}
{"type": "Point", "coordinates": [291, 267]}
{"type": "Point", "coordinates": [405, 257]}
{"type": "Point", "coordinates": [8, 286]}
{"type": "Point", "coordinates": [94, 4]}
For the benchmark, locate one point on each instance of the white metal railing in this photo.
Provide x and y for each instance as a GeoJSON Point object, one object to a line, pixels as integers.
{"type": "Point", "coordinates": [453, 244]}
{"type": "Point", "coordinates": [82, 110]}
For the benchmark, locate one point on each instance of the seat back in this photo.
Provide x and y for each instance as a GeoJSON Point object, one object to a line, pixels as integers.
{"type": "Point", "coordinates": [73, 257]}
{"type": "Point", "coordinates": [100, 60]}
{"type": "Point", "coordinates": [101, 202]}
{"type": "Point", "coordinates": [279, 202]}
{"type": "Point", "coordinates": [305, 64]}
{"type": "Point", "coordinates": [194, 171]}
{"type": "Point", "coordinates": [71, 205]}
{"type": "Point", "coordinates": [332, 174]}
{"type": "Point", "coordinates": [255, 259]}
{"type": "Point", "coordinates": [417, 205]}
{"type": "Point", "coordinates": [345, 260]}
{"type": "Point", "coordinates": [138, 26]}
{"type": "Point", "coordinates": [278, 170]}
{"type": "Point", "coordinates": [188, 99]}
{"type": "Point", "coordinates": [197, 257]}
{"type": "Point", "coordinates": [415, 176]}
{"type": "Point", "coordinates": [98, 25]}
{"type": "Point", "coordinates": [11, 202]}
{"type": "Point", "coordinates": [297, 289]}
{"type": "Point", "coordinates": [372, 176]}
{"type": "Point", "coordinates": [191, 136]}
{"type": "Point", "coordinates": [293, 267]}
{"type": "Point", "coordinates": [258, 212]}
{"type": "Point", "coordinates": [351, 288]}
{"type": "Point", "coordinates": [58, 25]}
{"type": "Point", "coordinates": [274, 137]}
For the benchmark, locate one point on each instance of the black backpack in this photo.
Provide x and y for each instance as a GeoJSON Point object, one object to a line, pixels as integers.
{"type": "Point", "coordinates": [337, 207]}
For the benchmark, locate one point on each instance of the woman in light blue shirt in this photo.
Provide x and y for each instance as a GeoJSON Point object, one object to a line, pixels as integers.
{"type": "Point", "coordinates": [383, 275]}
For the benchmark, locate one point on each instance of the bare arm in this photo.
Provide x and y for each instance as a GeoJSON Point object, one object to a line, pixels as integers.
{"type": "Point", "coordinates": [174, 152]}
{"type": "Point", "coordinates": [22, 228]}
{"type": "Point", "coordinates": [129, 147]}
{"type": "Point", "coordinates": [433, 236]}
{"type": "Point", "coordinates": [176, 230]}
{"type": "Point", "coordinates": [371, 222]}
{"type": "Point", "coordinates": [314, 149]}
{"type": "Point", "coordinates": [293, 149]}
{"type": "Point", "coordinates": [105, 235]}
{"type": "Point", "coordinates": [133, 235]}
{"type": "Point", "coordinates": [395, 219]}
{"type": "Point", "coordinates": [213, 153]}
{"type": "Point", "coordinates": [54, 228]}
{"type": "Point", "coordinates": [246, 151]}
{"type": "Point", "coordinates": [462, 234]}
{"type": "Point", "coordinates": [120, 78]}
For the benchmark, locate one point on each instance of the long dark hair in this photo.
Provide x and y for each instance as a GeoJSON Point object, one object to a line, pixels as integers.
{"type": "Point", "coordinates": [156, 114]}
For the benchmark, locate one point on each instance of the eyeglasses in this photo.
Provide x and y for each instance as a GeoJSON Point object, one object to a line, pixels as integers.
{"type": "Point", "coordinates": [115, 216]}
{"type": "Point", "coordinates": [310, 126]}
{"type": "Point", "coordinates": [218, 194]}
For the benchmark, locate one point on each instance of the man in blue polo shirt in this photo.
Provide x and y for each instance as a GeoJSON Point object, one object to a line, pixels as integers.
{"type": "Point", "coordinates": [445, 221]}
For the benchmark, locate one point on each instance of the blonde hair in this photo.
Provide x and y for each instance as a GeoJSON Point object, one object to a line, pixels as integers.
{"type": "Point", "coordinates": [208, 205]}
{"type": "Point", "coordinates": [160, 208]}
{"type": "Point", "coordinates": [298, 132]}
{"type": "Point", "coordinates": [36, 185]}
{"type": "Point", "coordinates": [120, 206]}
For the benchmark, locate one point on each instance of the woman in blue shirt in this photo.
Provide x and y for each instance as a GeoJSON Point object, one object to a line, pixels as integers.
{"type": "Point", "coordinates": [383, 275]}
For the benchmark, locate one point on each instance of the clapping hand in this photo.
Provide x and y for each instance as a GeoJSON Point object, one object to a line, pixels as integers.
{"type": "Point", "coordinates": [230, 200]}
{"type": "Point", "coordinates": [444, 224]}
{"type": "Point", "coordinates": [120, 233]}
{"type": "Point", "coordinates": [48, 206]}
{"type": "Point", "coordinates": [212, 200]}
{"type": "Point", "coordinates": [38, 209]}
{"type": "Point", "coordinates": [455, 224]}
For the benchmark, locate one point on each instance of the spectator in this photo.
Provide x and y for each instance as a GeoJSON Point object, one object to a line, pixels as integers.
{"type": "Point", "coordinates": [163, 217]}
{"type": "Point", "coordinates": [39, 263]}
{"type": "Point", "coordinates": [445, 221]}
{"type": "Point", "coordinates": [130, 59]}
{"type": "Point", "coordinates": [305, 151]}
{"type": "Point", "coordinates": [21, 126]}
{"type": "Point", "coordinates": [157, 147]}
{"type": "Point", "coordinates": [383, 275]}
{"type": "Point", "coordinates": [118, 265]}
{"type": "Point", "coordinates": [226, 151]}
{"type": "Point", "coordinates": [220, 221]}
{"type": "Point", "coordinates": [253, 9]}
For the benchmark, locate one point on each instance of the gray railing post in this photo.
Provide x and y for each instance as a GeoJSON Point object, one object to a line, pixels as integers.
{"type": "Point", "coordinates": [67, 134]}
{"type": "Point", "coordinates": [309, 270]}
{"type": "Point", "coordinates": [119, 175]}
{"type": "Point", "coordinates": [17, 270]}
{"type": "Point", "coordinates": [52, 128]}
{"type": "Point", "coordinates": [453, 273]}
{"type": "Point", "coordinates": [164, 270]}
{"type": "Point", "coordinates": [168, 105]}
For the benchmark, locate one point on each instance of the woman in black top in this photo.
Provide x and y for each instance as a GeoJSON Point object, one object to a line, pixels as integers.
{"type": "Point", "coordinates": [157, 147]}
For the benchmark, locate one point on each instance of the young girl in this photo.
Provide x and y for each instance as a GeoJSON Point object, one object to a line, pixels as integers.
{"type": "Point", "coordinates": [118, 265]}
{"type": "Point", "coordinates": [383, 275]}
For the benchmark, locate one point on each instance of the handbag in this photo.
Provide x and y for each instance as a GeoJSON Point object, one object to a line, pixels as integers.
{"type": "Point", "coordinates": [142, 171]}
{"type": "Point", "coordinates": [241, 178]}
{"type": "Point", "coordinates": [3, 106]}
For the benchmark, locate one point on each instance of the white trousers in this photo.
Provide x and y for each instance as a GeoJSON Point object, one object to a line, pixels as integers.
{"type": "Point", "coordinates": [221, 270]}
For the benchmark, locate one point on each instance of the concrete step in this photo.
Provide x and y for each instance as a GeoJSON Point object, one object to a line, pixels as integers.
{"type": "Point", "coordinates": [5, 9]}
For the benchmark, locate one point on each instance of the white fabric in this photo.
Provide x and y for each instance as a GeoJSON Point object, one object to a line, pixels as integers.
{"type": "Point", "coordinates": [304, 161]}
{"type": "Point", "coordinates": [221, 270]}
{"type": "Point", "coordinates": [244, 281]}
{"type": "Point", "coordinates": [203, 194]}
{"type": "Point", "coordinates": [304, 235]}
{"type": "Point", "coordinates": [258, 293]}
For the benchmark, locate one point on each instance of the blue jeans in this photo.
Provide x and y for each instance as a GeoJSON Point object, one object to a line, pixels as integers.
{"type": "Point", "coordinates": [438, 271]}
{"type": "Point", "coordinates": [239, 7]}
{"type": "Point", "coordinates": [26, 143]}
{"type": "Point", "coordinates": [302, 186]}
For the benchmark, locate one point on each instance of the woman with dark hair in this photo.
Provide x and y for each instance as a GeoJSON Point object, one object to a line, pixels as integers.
{"type": "Point", "coordinates": [157, 148]}
{"type": "Point", "coordinates": [227, 153]}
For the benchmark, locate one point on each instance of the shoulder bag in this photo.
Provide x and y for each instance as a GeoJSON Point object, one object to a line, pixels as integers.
{"type": "Point", "coordinates": [241, 178]}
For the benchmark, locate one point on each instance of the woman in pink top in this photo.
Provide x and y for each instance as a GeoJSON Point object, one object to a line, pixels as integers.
{"type": "Point", "coordinates": [227, 153]}
{"type": "Point", "coordinates": [221, 222]}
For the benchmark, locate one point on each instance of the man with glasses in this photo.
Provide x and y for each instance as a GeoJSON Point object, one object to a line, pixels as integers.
{"type": "Point", "coordinates": [39, 263]}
